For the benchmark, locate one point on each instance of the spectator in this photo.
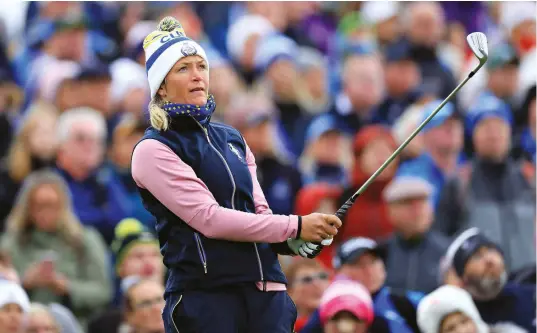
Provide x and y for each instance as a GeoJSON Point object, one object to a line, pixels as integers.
{"type": "Point", "coordinates": [39, 319]}
{"type": "Point", "coordinates": [321, 198]}
{"type": "Point", "coordinates": [242, 40]}
{"type": "Point", "coordinates": [254, 115]}
{"type": "Point", "coordinates": [368, 217]}
{"type": "Point", "coordinates": [502, 67]}
{"type": "Point", "coordinates": [443, 137]}
{"type": "Point", "coordinates": [143, 307]}
{"type": "Point", "coordinates": [98, 198]}
{"type": "Point", "coordinates": [276, 61]}
{"type": "Point", "coordinates": [313, 93]}
{"type": "Point", "coordinates": [14, 304]}
{"type": "Point", "coordinates": [479, 267]}
{"type": "Point", "coordinates": [33, 148]}
{"type": "Point", "coordinates": [10, 101]}
{"type": "Point", "coordinates": [362, 91]}
{"type": "Point", "coordinates": [493, 192]}
{"type": "Point", "coordinates": [451, 309]}
{"type": "Point", "coordinates": [385, 20]}
{"type": "Point", "coordinates": [136, 254]}
{"type": "Point", "coordinates": [360, 260]}
{"type": "Point", "coordinates": [402, 79]}
{"type": "Point", "coordinates": [308, 279]}
{"type": "Point", "coordinates": [324, 155]}
{"type": "Point", "coordinates": [126, 135]}
{"type": "Point", "coordinates": [346, 306]}
{"type": "Point", "coordinates": [526, 131]}
{"type": "Point", "coordinates": [58, 259]}
{"type": "Point", "coordinates": [129, 91]}
{"type": "Point", "coordinates": [414, 251]}
{"type": "Point", "coordinates": [424, 26]}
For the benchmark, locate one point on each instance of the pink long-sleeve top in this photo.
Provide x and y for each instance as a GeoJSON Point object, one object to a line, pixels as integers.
{"type": "Point", "coordinates": [156, 168]}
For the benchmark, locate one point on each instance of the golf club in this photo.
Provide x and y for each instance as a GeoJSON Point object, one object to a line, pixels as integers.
{"type": "Point", "coordinates": [478, 44]}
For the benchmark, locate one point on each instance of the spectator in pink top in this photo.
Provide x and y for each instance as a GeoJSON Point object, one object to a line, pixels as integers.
{"type": "Point", "coordinates": [218, 237]}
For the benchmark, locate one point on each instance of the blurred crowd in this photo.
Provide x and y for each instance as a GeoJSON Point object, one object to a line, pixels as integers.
{"type": "Point", "coordinates": [323, 92]}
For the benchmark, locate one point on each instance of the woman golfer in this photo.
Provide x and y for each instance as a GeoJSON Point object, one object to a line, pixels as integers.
{"type": "Point", "coordinates": [198, 178]}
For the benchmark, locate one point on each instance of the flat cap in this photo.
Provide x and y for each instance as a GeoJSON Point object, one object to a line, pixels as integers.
{"type": "Point", "coordinates": [407, 187]}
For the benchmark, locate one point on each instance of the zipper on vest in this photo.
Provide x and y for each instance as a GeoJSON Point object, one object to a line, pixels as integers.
{"type": "Point", "coordinates": [201, 252]}
{"type": "Point", "coordinates": [233, 198]}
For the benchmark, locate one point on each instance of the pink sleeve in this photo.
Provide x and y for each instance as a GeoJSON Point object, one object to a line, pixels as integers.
{"type": "Point", "coordinates": [158, 169]}
{"type": "Point", "coordinates": [261, 205]}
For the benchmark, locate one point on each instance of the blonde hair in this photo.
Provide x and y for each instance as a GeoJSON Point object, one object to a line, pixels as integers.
{"type": "Point", "coordinates": [157, 116]}
{"type": "Point", "coordinates": [19, 223]}
{"type": "Point", "coordinates": [19, 159]}
{"type": "Point", "coordinates": [39, 309]}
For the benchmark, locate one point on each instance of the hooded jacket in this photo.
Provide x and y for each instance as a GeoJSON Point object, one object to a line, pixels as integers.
{"type": "Point", "coordinates": [368, 217]}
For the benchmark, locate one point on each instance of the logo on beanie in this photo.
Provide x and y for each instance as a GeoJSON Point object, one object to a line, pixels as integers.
{"type": "Point", "coordinates": [188, 50]}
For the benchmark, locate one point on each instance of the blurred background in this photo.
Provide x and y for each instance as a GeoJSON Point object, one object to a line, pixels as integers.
{"type": "Point", "coordinates": [323, 93]}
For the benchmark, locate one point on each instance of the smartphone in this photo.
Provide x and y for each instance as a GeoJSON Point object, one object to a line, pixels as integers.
{"type": "Point", "coordinates": [49, 258]}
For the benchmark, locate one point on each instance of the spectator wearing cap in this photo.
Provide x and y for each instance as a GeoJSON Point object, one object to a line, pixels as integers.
{"type": "Point", "coordinates": [256, 117]}
{"type": "Point", "coordinates": [33, 148]}
{"type": "Point", "coordinates": [276, 62]}
{"type": "Point", "coordinates": [136, 258]}
{"type": "Point", "coordinates": [443, 139]}
{"type": "Point", "coordinates": [58, 259]}
{"type": "Point", "coordinates": [308, 280]}
{"type": "Point", "coordinates": [14, 305]}
{"type": "Point", "coordinates": [451, 309]}
{"type": "Point", "coordinates": [492, 192]}
{"type": "Point", "coordinates": [126, 134]}
{"type": "Point", "coordinates": [413, 252]}
{"type": "Point", "coordinates": [479, 267]}
{"type": "Point", "coordinates": [321, 198]}
{"type": "Point", "coordinates": [384, 19]}
{"type": "Point", "coordinates": [242, 41]}
{"type": "Point", "coordinates": [424, 26]}
{"type": "Point", "coordinates": [402, 80]}
{"type": "Point", "coordinates": [368, 217]}
{"type": "Point", "coordinates": [313, 93]}
{"type": "Point", "coordinates": [503, 73]}
{"type": "Point", "coordinates": [324, 155]}
{"type": "Point", "coordinates": [98, 197]}
{"type": "Point", "coordinates": [362, 89]}
{"type": "Point", "coordinates": [361, 260]}
{"type": "Point", "coordinates": [346, 307]}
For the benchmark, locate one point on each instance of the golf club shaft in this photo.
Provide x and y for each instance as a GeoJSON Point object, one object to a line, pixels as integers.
{"type": "Point", "coordinates": [342, 211]}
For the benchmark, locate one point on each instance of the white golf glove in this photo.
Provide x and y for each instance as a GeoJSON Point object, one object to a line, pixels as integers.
{"type": "Point", "coordinates": [307, 249]}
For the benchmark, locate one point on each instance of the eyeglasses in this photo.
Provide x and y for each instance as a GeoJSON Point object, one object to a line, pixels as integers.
{"type": "Point", "coordinates": [308, 279]}
{"type": "Point", "coordinates": [146, 304]}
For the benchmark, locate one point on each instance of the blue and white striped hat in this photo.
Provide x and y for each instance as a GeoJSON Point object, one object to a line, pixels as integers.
{"type": "Point", "coordinates": [164, 47]}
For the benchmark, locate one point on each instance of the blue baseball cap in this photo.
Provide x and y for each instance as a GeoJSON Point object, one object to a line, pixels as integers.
{"type": "Point", "coordinates": [398, 51]}
{"type": "Point", "coordinates": [273, 48]}
{"type": "Point", "coordinates": [447, 111]}
{"type": "Point", "coordinates": [487, 106]}
{"type": "Point", "coordinates": [354, 248]}
{"type": "Point", "coordinates": [319, 126]}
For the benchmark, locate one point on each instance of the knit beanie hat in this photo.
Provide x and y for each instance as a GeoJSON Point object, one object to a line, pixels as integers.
{"type": "Point", "coordinates": [164, 47]}
{"type": "Point", "coordinates": [12, 293]}
{"type": "Point", "coordinates": [348, 296]}
{"type": "Point", "coordinates": [463, 248]}
{"type": "Point", "coordinates": [128, 233]}
{"type": "Point", "coordinates": [445, 300]}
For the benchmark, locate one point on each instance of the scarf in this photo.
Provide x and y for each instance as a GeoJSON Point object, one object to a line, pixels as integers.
{"type": "Point", "coordinates": [200, 113]}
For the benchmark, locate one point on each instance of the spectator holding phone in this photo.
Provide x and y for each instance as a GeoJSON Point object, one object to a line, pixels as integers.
{"type": "Point", "coordinates": [57, 258]}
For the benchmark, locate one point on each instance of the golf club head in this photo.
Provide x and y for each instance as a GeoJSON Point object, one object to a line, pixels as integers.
{"type": "Point", "coordinates": [478, 43]}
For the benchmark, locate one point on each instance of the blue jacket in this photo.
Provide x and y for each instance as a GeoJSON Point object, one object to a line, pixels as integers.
{"type": "Point", "coordinates": [515, 304]}
{"type": "Point", "coordinates": [393, 313]}
{"type": "Point", "coordinates": [99, 201]}
{"type": "Point", "coordinates": [216, 153]}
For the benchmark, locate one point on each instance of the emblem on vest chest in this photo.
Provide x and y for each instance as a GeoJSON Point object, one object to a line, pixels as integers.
{"type": "Point", "coordinates": [236, 152]}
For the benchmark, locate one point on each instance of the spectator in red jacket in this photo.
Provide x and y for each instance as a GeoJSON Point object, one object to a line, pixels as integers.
{"type": "Point", "coordinates": [368, 217]}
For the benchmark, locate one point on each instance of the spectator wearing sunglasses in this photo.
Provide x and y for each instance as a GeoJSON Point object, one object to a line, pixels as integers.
{"type": "Point", "coordinates": [143, 307]}
{"type": "Point", "coordinates": [308, 279]}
